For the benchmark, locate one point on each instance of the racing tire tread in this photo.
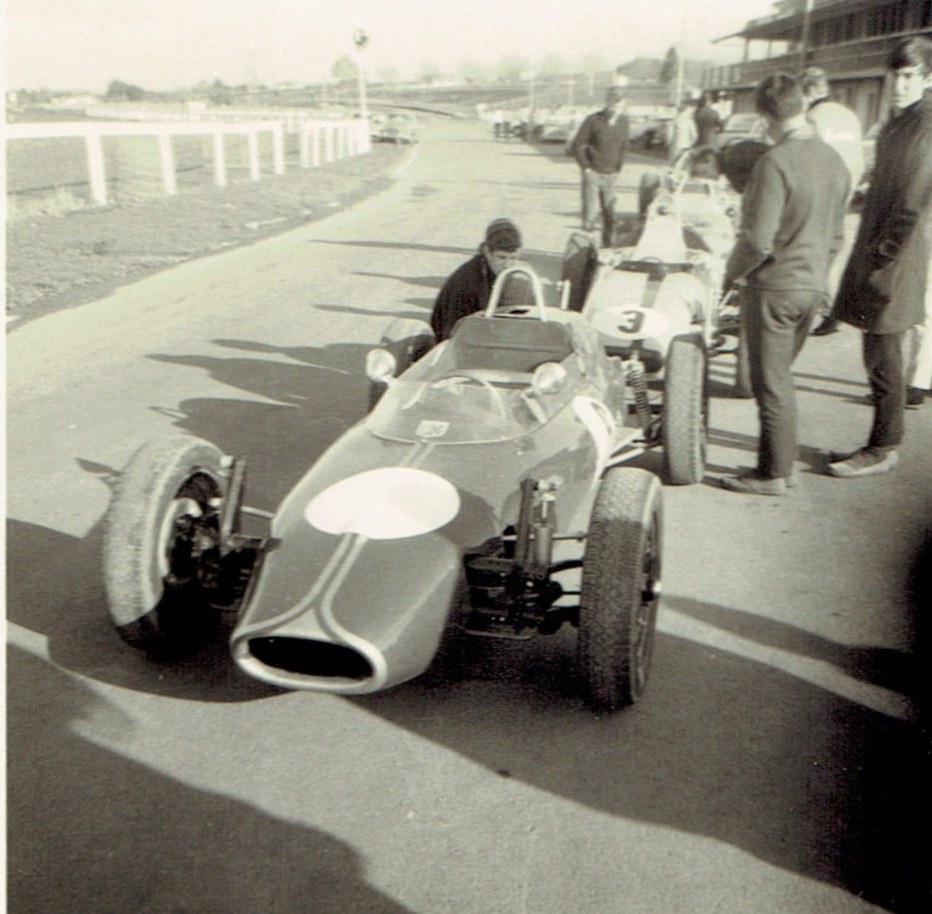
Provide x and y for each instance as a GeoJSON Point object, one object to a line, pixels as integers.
{"type": "Point", "coordinates": [144, 615]}
{"type": "Point", "coordinates": [625, 531]}
{"type": "Point", "coordinates": [685, 411]}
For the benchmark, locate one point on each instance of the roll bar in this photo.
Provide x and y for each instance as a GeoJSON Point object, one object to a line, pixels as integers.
{"type": "Point", "coordinates": [536, 289]}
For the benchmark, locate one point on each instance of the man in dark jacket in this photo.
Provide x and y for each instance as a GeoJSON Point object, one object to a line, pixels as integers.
{"type": "Point", "coordinates": [901, 186]}
{"type": "Point", "coordinates": [792, 225]}
{"type": "Point", "coordinates": [599, 148]}
{"type": "Point", "coordinates": [708, 123]}
{"type": "Point", "coordinates": [468, 289]}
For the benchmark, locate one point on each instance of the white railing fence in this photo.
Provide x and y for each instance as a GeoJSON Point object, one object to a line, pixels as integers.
{"type": "Point", "coordinates": [36, 151]}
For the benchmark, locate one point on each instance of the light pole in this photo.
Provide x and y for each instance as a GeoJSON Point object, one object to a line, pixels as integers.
{"type": "Point", "coordinates": [360, 40]}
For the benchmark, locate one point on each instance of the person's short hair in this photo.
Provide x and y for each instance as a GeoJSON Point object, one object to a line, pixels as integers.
{"type": "Point", "coordinates": [779, 97]}
{"type": "Point", "coordinates": [502, 235]}
{"type": "Point", "coordinates": [814, 80]}
{"type": "Point", "coordinates": [912, 52]}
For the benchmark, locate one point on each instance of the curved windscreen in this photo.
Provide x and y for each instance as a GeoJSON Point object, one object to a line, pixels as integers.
{"type": "Point", "coordinates": [478, 386]}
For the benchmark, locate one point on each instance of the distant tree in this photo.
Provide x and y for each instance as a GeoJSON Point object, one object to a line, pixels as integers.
{"type": "Point", "coordinates": [344, 69]}
{"type": "Point", "coordinates": [119, 91]}
{"type": "Point", "coordinates": [472, 72]}
{"type": "Point", "coordinates": [509, 69]}
{"type": "Point", "coordinates": [220, 93]}
{"type": "Point", "coordinates": [671, 66]}
{"type": "Point", "coordinates": [551, 67]}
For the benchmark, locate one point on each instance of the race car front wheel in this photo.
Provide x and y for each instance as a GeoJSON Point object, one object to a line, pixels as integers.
{"type": "Point", "coordinates": [620, 589]}
{"type": "Point", "coordinates": [684, 430]}
{"type": "Point", "coordinates": [161, 544]}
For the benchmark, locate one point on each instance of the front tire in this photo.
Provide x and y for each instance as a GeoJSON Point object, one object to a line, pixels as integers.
{"type": "Point", "coordinates": [620, 588]}
{"type": "Point", "coordinates": [161, 544]}
{"type": "Point", "coordinates": [684, 430]}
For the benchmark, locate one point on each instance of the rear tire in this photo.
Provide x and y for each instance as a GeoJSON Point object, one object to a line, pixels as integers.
{"type": "Point", "coordinates": [684, 431]}
{"type": "Point", "coordinates": [620, 588]}
{"type": "Point", "coordinates": [161, 542]}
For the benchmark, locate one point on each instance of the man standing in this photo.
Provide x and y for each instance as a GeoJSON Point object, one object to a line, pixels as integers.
{"type": "Point", "coordinates": [792, 217]}
{"type": "Point", "coordinates": [599, 148]}
{"type": "Point", "coordinates": [840, 128]}
{"type": "Point", "coordinates": [468, 289]}
{"type": "Point", "coordinates": [709, 123]}
{"type": "Point", "coordinates": [900, 189]}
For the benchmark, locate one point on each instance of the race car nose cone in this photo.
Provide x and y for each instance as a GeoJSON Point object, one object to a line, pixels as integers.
{"type": "Point", "coordinates": [384, 504]}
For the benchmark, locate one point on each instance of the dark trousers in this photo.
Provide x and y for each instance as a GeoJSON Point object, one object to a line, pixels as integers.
{"type": "Point", "coordinates": [883, 359]}
{"type": "Point", "coordinates": [598, 195]}
{"type": "Point", "coordinates": [777, 326]}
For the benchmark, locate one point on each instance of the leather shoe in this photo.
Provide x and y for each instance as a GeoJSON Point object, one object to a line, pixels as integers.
{"type": "Point", "coordinates": [915, 397]}
{"type": "Point", "coordinates": [828, 325]}
{"type": "Point", "coordinates": [753, 483]}
{"type": "Point", "coordinates": [867, 461]}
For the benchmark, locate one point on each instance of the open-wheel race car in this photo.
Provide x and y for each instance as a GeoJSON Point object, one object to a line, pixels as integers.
{"type": "Point", "coordinates": [654, 295]}
{"type": "Point", "coordinates": [450, 506]}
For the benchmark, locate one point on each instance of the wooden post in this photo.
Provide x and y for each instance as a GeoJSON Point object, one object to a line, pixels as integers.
{"type": "Point", "coordinates": [304, 151]}
{"type": "Point", "coordinates": [95, 168]}
{"type": "Point", "coordinates": [167, 162]}
{"type": "Point", "coordinates": [253, 154]}
{"type": "Point", "coordinates": [220, 160]}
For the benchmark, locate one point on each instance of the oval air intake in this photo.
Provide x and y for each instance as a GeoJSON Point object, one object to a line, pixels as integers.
{"type": "Point", "coordinates": [307, 657]}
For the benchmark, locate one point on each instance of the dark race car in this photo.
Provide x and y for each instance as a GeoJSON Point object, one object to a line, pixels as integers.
{"type": "Point", "coordinates": [459, 503]}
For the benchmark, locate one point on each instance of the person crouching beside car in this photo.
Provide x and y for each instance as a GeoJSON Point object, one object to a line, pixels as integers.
{"type": "Point", "coordinates": [469, 287]}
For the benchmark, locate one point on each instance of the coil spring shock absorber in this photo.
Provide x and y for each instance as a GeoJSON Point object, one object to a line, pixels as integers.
{"type": "Point", "coordinates": [639, 384]}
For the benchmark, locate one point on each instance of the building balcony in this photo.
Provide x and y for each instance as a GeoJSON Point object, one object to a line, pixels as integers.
{"type": "Point", "coordinates": [865, 57]}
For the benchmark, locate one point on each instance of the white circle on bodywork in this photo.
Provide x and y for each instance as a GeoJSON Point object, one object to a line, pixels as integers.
{"type": "Point", "coordinates": [385, 504]}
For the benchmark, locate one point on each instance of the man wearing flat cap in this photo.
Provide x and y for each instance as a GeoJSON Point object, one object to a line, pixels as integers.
{"type": "Point", "coordinates": [468, 289]}
{"type": "Point", "coordinates": [599, 148]}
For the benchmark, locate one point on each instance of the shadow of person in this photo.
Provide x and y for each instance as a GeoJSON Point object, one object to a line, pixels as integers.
{"type": "Point", "coordinates": [89, 830]}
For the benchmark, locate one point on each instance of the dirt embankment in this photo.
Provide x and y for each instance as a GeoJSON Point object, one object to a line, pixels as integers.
{"type": "Point", "coordinates": [58, 260]}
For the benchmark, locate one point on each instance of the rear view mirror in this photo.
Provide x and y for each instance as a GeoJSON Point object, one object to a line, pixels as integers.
{"type": "Point", "coordinates": [549, 378]}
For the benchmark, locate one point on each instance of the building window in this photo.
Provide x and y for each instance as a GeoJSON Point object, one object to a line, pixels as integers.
{"type": "Point", "coordinates": [886, 19]}
{"type": "Point", "coordinates": [925, 14]}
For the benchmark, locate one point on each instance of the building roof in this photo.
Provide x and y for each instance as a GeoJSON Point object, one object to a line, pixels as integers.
{"type": "Point", "coordinates": [787, 25]}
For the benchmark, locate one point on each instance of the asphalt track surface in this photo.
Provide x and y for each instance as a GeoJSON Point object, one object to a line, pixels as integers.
{"type": "Point", "coordinates": [772, 766]}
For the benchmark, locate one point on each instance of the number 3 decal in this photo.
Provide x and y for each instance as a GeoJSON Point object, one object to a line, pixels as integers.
{"type": "Point", "coordinates": [630, 321]}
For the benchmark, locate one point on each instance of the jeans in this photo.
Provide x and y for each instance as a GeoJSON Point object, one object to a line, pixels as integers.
{"type": "Point", "coordinates": [598, 192]}
{"type": "Point", "coordinates": [777, 326]}
{"type": "Point", "coordinates": [883, 359]}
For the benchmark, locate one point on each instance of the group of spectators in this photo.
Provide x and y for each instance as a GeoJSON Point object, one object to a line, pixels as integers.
{"type": "Point", "coordinates": [785, 262]}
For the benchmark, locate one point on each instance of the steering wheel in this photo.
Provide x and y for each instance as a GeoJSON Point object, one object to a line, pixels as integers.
{"type": "Point", "coordinates": [465, 375]}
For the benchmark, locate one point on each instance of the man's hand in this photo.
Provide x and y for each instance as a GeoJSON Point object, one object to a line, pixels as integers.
{"type": "Point", "coordinates": [882, 279]}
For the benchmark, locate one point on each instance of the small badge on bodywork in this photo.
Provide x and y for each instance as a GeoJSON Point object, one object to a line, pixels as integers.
{"type": "Point", "coordinates": [432, 428]}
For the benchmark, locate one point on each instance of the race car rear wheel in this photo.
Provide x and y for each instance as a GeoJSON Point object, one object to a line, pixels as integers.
{"type": "Point", "coordinates": [685, 426]}
{"type": "Point", "coordinates": [407, 339]}
{"type": "Point", "coordinates": [161, 544]}
{"type": "Point", "coordinates": [620, 588]}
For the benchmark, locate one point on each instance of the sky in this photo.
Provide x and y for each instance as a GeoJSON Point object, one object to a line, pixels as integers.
{"type": "Point", "coordinates": [166, 44]}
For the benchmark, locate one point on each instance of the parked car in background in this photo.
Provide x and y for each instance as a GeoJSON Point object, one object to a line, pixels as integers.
{"type": "Point", "coordinates": [744, 126]}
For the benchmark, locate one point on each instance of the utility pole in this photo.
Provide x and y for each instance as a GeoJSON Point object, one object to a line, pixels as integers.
{"type": "Point", "coordinates": [360, 40]}
{"type": "Point", "coordinates": [804, 38]}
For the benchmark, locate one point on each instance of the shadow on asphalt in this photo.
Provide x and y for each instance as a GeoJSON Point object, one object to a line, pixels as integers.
{"type": "Point", "coordinates": [113, 835]}
{"type": "Point", "coordinates": [694, 755]}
